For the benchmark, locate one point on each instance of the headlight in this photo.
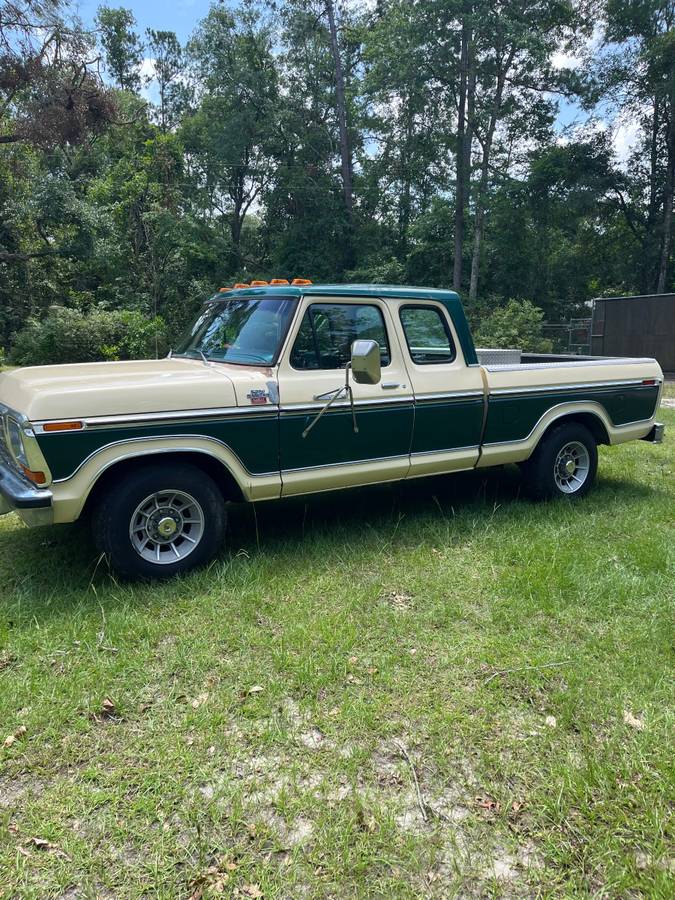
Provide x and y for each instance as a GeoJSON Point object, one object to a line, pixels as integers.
{"type": "Point", "coordinates": [15, 439]}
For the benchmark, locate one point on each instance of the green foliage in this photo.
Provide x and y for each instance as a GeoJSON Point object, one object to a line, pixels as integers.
{"type": "Point", "coordinates": [108, 202]}
{"type": "Point", "coordinates": [378, 270]}
{"type": "Point", "coordinates": [518, 324]}
{"type": "Point", "coordinates": [122, 46]}
{"type": "Point", "coordinates": [67, 335]}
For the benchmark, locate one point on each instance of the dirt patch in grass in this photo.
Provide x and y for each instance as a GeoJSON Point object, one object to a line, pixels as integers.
{"type": "Point", "coordinates": [13, 791]}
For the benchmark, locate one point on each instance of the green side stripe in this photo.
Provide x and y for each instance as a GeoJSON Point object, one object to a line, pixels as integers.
{"type": "Point", "coordinates": [512, 417]}
{"type": "Point", "coordinates": [270, 443]}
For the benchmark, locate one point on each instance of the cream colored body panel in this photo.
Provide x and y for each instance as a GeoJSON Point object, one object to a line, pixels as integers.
{"type": "Point", "coordinates": [128, 388]}
{"type": "Point", "coordinates": [331, 478]}
{"type": "Point", "coordinates": [442, 462]}
{"type": "Point", "coordinates": [559, 375]}
{"type": "Point", "coordinates": [298, 387]}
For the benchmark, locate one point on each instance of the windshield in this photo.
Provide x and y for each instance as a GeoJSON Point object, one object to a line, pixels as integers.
{"type": "Point", "coordinates": [243, 331]}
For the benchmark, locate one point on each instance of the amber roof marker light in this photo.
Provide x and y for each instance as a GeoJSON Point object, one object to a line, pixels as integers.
{"type": "Point", "coordinates": [279, 281]}
{"type": "Point", "coordinates": [259, 283]}
{"type": "Point", "coordinates": [300, 281]}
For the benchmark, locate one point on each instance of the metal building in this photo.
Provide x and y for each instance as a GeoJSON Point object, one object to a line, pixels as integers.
{"type": "Point", "coordinates": [635, 326]}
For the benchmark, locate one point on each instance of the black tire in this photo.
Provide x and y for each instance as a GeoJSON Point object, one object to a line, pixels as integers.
{"type": "Point", "coordinates": [173, 483]}
{"type": "Point", "coordinates": [545, 473]}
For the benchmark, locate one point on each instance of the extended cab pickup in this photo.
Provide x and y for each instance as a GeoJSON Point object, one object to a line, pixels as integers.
{"type": "Point", "coordinates": [293, 389]}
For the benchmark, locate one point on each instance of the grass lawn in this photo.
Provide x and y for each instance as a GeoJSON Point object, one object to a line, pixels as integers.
{"type": "Point", "coordinates": [434, 689]}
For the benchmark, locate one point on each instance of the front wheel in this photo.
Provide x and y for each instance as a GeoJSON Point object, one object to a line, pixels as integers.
{"type": "Point", "coordinates": [564, 464]}
{"type": "Point", "coordinates": [160, 520]}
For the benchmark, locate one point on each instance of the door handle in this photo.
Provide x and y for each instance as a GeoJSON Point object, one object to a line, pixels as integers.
{"type": "Point", "coordinates": [390, 385]}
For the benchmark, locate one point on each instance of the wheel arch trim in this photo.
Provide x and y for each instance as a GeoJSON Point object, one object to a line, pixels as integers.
{"type": "Point", "coordinates": [72, 493]}
{"type": "Point", "coordinates": [518, 450]}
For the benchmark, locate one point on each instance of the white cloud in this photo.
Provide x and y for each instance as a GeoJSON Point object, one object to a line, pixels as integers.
{"type": "Point", "coordinates": [561, 60]}
{"type": "Point", "coordinates": [148, 87]}
{"type": "Point", "coordinates": [148, 67]}
{"type": "Point", "coordinates": [625, 139]}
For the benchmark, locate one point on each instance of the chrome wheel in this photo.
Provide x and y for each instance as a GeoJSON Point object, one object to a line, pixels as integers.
{"type": "Point", "coordinates": [571, 467]}
{"type": "Point", "coordinates": [166, 527]}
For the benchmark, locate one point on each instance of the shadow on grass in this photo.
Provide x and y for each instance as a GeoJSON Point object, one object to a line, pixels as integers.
{"type": "Point", "coordinates": [463, 496]}
{"type": "Point", "coordinates": [61, 563]}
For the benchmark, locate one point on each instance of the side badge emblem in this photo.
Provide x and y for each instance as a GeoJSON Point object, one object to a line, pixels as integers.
{"type": "Point", "coordinates": [257, 397]}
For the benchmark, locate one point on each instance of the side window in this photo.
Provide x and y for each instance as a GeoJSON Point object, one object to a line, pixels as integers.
{"type": "Point", "coordinates": [427, 335]}
{"type": "Point", "coordinates": [328, 330]}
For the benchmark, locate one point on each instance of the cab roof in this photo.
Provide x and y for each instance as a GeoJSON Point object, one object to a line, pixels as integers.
{"type": "Point", "coordinates": [341, 290]}
{"type": "Point", "coordinates": [449, 299]}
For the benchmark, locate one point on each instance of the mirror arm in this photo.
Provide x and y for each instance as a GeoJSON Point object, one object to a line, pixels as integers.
{"type": "Point", "coordinates": [350, 392]}
{"type": "Point", "coordinates": [339, 392]}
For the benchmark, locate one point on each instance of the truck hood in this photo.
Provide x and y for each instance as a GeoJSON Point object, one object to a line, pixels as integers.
{"type": "Point", "coordinates": [140, 386]}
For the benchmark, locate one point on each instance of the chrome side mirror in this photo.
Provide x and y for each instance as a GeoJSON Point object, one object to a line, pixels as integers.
{"type": "Point", "coordinates": [365, 363]}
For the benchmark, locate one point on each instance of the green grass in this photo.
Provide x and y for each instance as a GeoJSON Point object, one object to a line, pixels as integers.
{"type": "Point", "coordinates": [373, 622]}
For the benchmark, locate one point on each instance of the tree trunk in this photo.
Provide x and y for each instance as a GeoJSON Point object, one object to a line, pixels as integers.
{"type": "Point", "coordinates": [668, 196]}
{"type": "Point", "coordinates": [405, 205]}
{"type": "Point", "coordinates": [460, 157]}
{"type": "Point", "coordinates": [479, 219]}
{"type": "Point", "coordinates": [647, 271]}
{"type": "Point", "coordinates": [345, 155]}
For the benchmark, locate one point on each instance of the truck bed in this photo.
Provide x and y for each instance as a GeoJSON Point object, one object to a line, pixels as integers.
{"type": "Point", "coordinates": [615, 397]}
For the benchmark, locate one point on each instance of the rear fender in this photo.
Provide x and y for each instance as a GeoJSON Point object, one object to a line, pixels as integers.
{"type": "Point", "coordinates": [520, 450]}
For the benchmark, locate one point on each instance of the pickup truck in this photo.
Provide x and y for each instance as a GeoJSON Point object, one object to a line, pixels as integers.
{"type": "Point", "coordinates": [282, 389]}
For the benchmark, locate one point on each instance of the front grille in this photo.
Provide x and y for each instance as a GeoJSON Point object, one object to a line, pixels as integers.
{"type": "Point", "coordinates": [4, 419]}
{"type": "Point", "coordinates": [5, 447]}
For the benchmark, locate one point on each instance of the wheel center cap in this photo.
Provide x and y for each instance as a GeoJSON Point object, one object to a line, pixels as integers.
{"type": "Point", "coordinates": [570, 466]}
{"type": "Point", "coordinates": [166, 527]}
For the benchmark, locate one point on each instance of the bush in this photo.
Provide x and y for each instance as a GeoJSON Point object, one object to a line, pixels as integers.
{"type": "Point", "coordinates": [516, 325]}
{"type": "Point", "coordinates": [68, 335]}
{"type": "Point", "coordinates": [378, 270]}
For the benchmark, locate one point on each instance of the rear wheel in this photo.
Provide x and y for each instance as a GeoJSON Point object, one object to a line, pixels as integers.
{"type": "Point", "coordinates": [564, 464]}
{"type": "Point", "coordinates": [160, 520]}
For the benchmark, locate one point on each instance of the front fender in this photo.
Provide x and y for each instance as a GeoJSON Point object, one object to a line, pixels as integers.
{"type": "Point", "coordinates": [70, 494]}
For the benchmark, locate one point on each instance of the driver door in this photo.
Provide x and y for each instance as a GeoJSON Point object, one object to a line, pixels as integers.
{"type": "Point", "coordinates": [332, 454]}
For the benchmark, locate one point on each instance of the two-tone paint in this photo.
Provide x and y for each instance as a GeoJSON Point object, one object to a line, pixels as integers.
{"type": "Point", "coordinates": [419, 420]}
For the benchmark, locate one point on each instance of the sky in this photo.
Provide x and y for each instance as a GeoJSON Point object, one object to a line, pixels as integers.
{"type": "Point", "coordinates": [182, 16]}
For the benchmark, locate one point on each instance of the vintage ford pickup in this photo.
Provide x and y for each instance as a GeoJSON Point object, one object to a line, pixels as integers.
{"type": "Point", "coordinates": [286, 389]}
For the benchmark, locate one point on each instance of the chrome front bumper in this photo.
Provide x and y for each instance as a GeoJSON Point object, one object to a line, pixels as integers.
{"type": "Point", "coordinates": [19, 495]}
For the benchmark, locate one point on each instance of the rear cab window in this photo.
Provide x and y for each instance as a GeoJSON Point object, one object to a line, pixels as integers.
{"type": "Point", "coordinates": [427, 335]}
{"type": "Point", "coordinates": [328, 330]}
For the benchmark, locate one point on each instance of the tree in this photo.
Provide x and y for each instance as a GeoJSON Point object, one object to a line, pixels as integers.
{"type": "Point", "coordinates": [513, 46]}
{"type": "Point", "coordinates": [122, 46]}
{"type": "Point", "coordinates": [635, 72]}
{"type": "Point", "coordinates": [169, 67]}
{"type": "Point", "coordinates": [229, 134]}
{"type": "Point", "coordinates": [407, 120]}
{"type": "Point", "coordinates": [50, 92]}
{"type": "Point", "coordinates": [341, 110]}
